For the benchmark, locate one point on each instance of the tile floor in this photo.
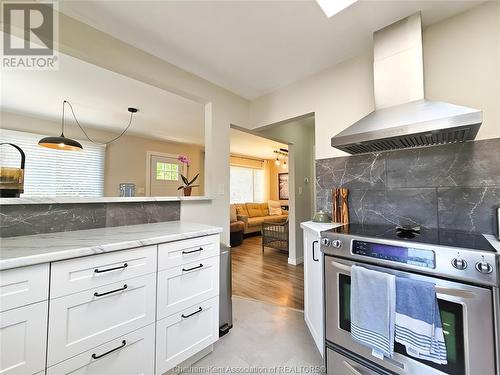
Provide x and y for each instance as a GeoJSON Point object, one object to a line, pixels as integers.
{"type": "Point", "coordinates": [265, 336]}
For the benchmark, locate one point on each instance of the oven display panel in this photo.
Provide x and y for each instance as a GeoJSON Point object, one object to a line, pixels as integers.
{"type": "Point", "coordinates": [407, 255]}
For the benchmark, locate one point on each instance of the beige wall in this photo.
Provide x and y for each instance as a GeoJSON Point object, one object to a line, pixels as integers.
{"type": "Point", "coordinates": [461, 65]}
{"type": "Point", "coordinates": [274, 170]}
{"type": "Point", "coordinates": [125, 158]}
{"type": "Point", "coordinates": [126, 162]}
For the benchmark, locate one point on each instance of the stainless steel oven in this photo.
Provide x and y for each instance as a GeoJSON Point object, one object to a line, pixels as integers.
{"type": "Point", "coordinates": [468, 309]}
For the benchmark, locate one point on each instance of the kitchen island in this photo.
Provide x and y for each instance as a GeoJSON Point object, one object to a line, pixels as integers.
{"type": "Point", "coordinates": [131, 299]}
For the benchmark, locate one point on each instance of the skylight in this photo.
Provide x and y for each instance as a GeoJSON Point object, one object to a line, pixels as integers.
{"type": "Point", "coordinates": [332, 7]}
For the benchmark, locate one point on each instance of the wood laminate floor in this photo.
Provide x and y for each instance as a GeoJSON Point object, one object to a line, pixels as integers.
{"type": "Point", "coordinates": [266, 276]}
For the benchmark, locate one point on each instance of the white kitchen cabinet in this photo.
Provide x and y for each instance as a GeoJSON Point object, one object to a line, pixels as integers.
{"type": "Point", "coordinates": [84, 320]}
{"type": "Point", "coordinates": [313, 281]}
{"type": "Point", "coordinates": [103, 313]}
{"type": "Point", "coordinates": [185, 333]}
{"type": "Point", "coordinates": [130, 354]}
{"type": "Point", "coordinates": [187, 251]}
{"type": "Point", "coordinates": [22, 286]}
{"type": "Point", "coordinates": [185, 285]}
{"type": "Point", "coordinates": [23, 339]}
{"type": "Point", "coordinates": [75, 275]}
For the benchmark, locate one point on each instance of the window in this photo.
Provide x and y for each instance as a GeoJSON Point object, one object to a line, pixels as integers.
{"type": "Point", "coordinates": [54, 172]}
{"type": "Point", "coordinates": [246, 185]}
{"type": "Point", "coordinates": [167, 171]}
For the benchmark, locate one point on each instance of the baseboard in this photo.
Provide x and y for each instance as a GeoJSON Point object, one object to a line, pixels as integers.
{"type": "Point", "coordinates": [295, 261]}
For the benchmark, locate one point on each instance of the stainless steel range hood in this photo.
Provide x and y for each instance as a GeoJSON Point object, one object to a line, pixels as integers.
{"type": "Point", "coordinates": [403, 118]}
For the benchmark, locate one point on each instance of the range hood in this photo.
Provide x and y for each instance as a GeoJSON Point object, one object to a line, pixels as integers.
{"type": "Point", "coordinates": [403, 118]}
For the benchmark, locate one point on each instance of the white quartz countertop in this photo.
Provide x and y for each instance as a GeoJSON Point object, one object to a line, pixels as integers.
{"type": "Point", "coordinates": [42, 248]}
{"type": "Point", "coordinates": [318, 227]}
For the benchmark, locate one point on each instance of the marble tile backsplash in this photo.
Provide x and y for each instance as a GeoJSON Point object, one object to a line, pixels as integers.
{"type": "Point", "coordinates": [20, 220]}
{"type": "Point", "coordinates": [451, 186]}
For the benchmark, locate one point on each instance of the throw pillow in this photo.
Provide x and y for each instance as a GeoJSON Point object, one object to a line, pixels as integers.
{"type": "Point", "coordinates": [232, 213]}
{"type": "Point", "coordinates": [275, 208]}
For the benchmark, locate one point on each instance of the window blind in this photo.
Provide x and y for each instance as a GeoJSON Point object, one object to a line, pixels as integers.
{"type": "Point", "coordinates": [246, 185]}
{"type": "Point", "coordinates": [51, 172]}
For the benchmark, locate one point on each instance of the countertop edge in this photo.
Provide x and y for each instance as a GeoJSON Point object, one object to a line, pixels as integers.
{"type": "Point", "coordinates": [318, 227]}
{"type": "Point", "coordinates": [59, 255]}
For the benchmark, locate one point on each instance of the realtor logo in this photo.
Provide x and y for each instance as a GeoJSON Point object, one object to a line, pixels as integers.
{"type": "Point", "coordinates": [29, 33]}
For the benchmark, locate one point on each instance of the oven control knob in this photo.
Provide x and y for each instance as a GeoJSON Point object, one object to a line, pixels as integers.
{"type": "Point", "coordinates": [325, 242]}
{"type": "Point", "coordinates": [484, 267]}
{"type": "Point", "coordinates": [337, 244]}
{"type": "Point", "coordinates": [459, 263]}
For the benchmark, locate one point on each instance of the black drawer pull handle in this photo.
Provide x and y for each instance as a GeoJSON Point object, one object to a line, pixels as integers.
{"type": "Point", "coordinates": [194, 313]}
{"type": "Point", "coordinates": [190, 269]}
{"type": "Point", "coordinates": [97, 294]}
{"type": "Point", "coordinates": [95, 356]}
{"type": "Point", "coordinates": [192, 251]}
{"type": "Point", "coordinates": [97, 270]}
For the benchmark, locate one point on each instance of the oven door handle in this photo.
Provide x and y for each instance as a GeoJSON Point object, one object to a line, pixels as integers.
{"type": "Point", "coordinates": [456, 292]}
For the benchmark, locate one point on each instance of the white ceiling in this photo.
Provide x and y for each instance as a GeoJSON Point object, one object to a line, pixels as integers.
{"type": "Point", "coordinates": [252, 47]}
{"type": "Point", "coordinates": [251, 145]}
{"type": "Point", "coordinates": [100, 99]}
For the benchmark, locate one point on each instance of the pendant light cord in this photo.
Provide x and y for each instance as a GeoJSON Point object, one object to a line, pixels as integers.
{"type": "Point", "coordinates": [83, 130]}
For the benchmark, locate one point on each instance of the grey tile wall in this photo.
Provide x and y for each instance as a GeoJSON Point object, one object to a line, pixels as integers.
{"type": "Point", "coordinates": [451, 186]}
{"type": "Point", "coordinates": [20, 220]}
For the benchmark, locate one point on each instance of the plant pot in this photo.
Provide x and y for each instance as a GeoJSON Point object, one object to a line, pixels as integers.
{"type": "Point", "coordinates": [187, 191]}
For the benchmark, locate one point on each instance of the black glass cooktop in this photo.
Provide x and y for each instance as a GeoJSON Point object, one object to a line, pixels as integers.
{"type": "Point", "coordinates": [446, 237]}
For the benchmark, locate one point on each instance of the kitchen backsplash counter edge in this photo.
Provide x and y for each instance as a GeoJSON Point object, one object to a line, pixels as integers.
{"type": "Point", "coordinates": [49, 247]}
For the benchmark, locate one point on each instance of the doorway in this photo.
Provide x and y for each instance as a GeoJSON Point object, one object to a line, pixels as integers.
{"type": "Point", "coordinates": [264, 267]}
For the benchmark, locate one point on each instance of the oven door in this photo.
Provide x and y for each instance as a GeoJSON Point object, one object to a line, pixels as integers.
{"type": "Point", "coordinates": [466, 314]}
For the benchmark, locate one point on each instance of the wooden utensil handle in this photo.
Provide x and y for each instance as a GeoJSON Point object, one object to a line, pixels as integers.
{"type": "Point", "coordinates": [344, 193]}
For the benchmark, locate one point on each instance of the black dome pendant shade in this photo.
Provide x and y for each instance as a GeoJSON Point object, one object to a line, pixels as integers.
{"type": "Point", "coordinates": [60, 143]}
{"type": "Point", "coordinates": [68, 144]}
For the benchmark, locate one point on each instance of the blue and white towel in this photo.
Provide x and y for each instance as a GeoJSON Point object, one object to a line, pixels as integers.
{"type": "Point", "coordinates": [418, 321]}
{"type": "Point", "coordinates": [373, 309]}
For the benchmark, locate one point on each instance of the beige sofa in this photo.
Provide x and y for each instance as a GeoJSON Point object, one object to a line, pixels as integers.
{"type": "Point", "coordinates": [254, 214]}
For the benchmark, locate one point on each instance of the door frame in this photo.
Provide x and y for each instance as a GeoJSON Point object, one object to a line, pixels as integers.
{"type": "Point", "coordinates": [149, 154]}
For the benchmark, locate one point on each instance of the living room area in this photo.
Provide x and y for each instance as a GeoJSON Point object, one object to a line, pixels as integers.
{"type": "Point", "coordinates": [259, 222]}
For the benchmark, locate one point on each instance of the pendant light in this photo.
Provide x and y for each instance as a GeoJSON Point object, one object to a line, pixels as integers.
{"type": "Point", "coordinates": [277, 162]}
{"type": "Point", "coordinates": [68, 144]}
{"type": "Point", "coordinates": [61, 142]}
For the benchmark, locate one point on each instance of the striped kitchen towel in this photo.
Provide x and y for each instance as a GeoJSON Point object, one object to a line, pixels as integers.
{"type": "Point", "coordinates": [418, 321]}
{"type": "Point", "coordinates": [373, 308]}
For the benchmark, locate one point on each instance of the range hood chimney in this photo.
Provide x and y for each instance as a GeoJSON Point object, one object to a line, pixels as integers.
{"type": "Point", "coordinates": [403, 118]}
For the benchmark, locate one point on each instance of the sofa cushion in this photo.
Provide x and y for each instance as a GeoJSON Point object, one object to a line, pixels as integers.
{"type": "Point", "coordinates": [264, 208]}
{"type": "Point", "coordinates": [255, 221]}
{"type": "Point", "coordinates": [254, 209]}
{"type": "Point", "coordinates": [275, 208]}
{"type": "Point", "coordinates": [241, 209]}
{"type": "Point", "coordinates": [232, 213]}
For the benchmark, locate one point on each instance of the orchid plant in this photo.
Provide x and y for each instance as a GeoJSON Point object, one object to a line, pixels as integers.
{"type": "Point", "coordinates": [188, 184]}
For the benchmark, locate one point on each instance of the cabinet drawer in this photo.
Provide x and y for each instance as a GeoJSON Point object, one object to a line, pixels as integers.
{"type": "Point", "coordinates": [173, 254]}
{"type": "Point", "coordinates": [75, 275]}
{"type": "Point", "coordinates": [23, 337]}
{"type": "Point", "coordinates": [84, 320]}
{"type": "Point", "coordinates": [183, 334]}
{"type": "Point", "coordinates": [183, 286]}
{"type": "Point", "coordinates": [22, 286]}
{"type": "Point", "coordinates": [130, 354]}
